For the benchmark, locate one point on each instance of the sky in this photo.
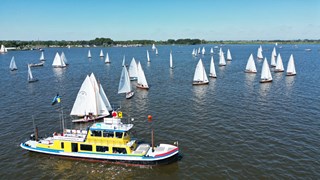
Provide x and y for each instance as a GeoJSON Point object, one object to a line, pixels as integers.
{"type": "Point", "coordinates": [159, 19]}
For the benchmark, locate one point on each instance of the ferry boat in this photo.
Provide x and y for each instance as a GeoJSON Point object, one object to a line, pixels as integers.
{"type": "Point", "coordinates": [107, 141]}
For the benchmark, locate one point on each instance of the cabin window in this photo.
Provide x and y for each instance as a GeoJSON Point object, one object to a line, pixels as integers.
{"type": "Point", "coordinates": [119, 134]}
{"type": "Point", "coordinates": [85, 147]}
{"type": "Point", "coordinates": [119, 150]}
{"type": "Point", "coordinates": [107, 134]}
{"type": "Point", "coordinates": [62, 145]}
{"type": "Point", "coordinates": [102, 148]}
{"type": "Point", "coordinates": [96, 133]}
{"type": "Point", "coordinates": [125, 134]}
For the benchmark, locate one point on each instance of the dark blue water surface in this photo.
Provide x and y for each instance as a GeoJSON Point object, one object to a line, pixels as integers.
{"type": "Point", "coordinates": [234, 127]}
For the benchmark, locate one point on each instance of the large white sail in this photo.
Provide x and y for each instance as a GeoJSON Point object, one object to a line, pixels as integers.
{"type": "Point", "coordinates": [211, 51]}
{"type": "Point", "coordinates": [124, 60]}
{"type": "Point", "coordinates": [265, 72]}
{"type": "Point", "coordinates": [203, 51]}
{"type": "Point", "coordinates": [200, 75]}
{"type": "Point", "coordinates": [105, 98]}
{"type": "Point", "coordinates": [57, 61]}
{"type": "Point", "coordinates": [64, 58]}
{"type": "Point", "coordinates": [142, 81]}
{"type": "Point", "coordinates": [42, 57]}
{"type": "Point", "coordinates": [148, 57]}
{"type": "Point", "coordinates": [259, 53]}
{"type": "Point", "coordinates": [273, 60]}
{"type": "Point", "coordinates": [171, 60]}
{"type": "Point", "coordinates": [251, 66]}
{"type": "Point", "coordinates": [229, 57]}
{"type": "Point", "coordinates": [13, 65]}
{"type": "Point", "coordinates": [30, 76]}
{"type": "Point", "coordinates": [133, 69]}
{"type": "Point", "coordinates": [212, 68]}
{"type": "Point", "coordinates": [291, 70]}
{"type": "Point", "coordinates": [85, 102]}
{"type": "Point", "coordinates": [222, 60]}
{"type": "Point", "coordinates": [101, 53]}
{"type": "Point", "coordinates": [153, 47]}
{"type": "Point", "coordinates": [279, 65]}
{"type": "Point", "coordinates": [89, 54]}
{"type": "Point", "coordinates": [107, 59]}
{"type": "Point", "coordinates": [3, 49]}
{"type": "Point", "coordinates": [124, 83]}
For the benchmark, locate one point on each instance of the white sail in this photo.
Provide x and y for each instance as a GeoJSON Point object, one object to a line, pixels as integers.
{"type": "Point", "coordinates": [142, 81]}
{"type": "Point", "coordinates": [57, 61]}
{"type": "Point", "coordinates": [222, 60]}
{"type": "Point", "coordinates": [101, 53]}
{"type": "Point", "coordinates": [211, 51]}
{"type": "Point", "coordinates": [107, 59]}
{"type": "Point", "coordinates": [148, 57]}
{"type": "Point", "coordinates": [200, 76]}
{"type": "Point", "coordinates": [171, 60]}
{"type": "Point", "coordinates": [64, 58]}
{"type": "Point", "coordinates": [291, 70]}
{"type": "Point", "coordinates": [13, 65]}
{"type": "Point", "coordinates": [124, 83]}
{"type": "Point", "coordinates": [273, 60]}
{"type": "Point", "coordinates": [274, 52]}
{"type": "Point", "coordinates": [251, 66]}
{"type": "Point", "coordinates": [259, 53]}
{"type": "Point", "coordinates": [203, 51]}
{"type": "Point", "coordinates": [265, 72]}
{"type": "Point", "coordinates": [30, 76]}
{"type": "Point", "coordinates": [105, 98]}
{"type": "Point", "coordinates": [229, 57]}
{"type": "Point", "coordinates": [193, 52]}
{"type": "Point", "coordinates": [212, 69]}
{"type": "Point", "coordinates": [153, 47]}
{"type": "Point", "coordinates": [279, 65]}
{"type": "Point", "coordinates": [124, 60]}
{"type": "Point", "coordinates": [3, 49]}
{"type": "Point", "coordinates": [42, 57]}
{"type": "Point", "coordinates": [157, 51]}
{"type": "Point", "coordinates": [89, 54]}
{"type": "Point", "coordinates": [89, 99]}
{"type": "Point", "coordinates": [133, 69]}
{"type": "Point", "coordinates": [199, 50]}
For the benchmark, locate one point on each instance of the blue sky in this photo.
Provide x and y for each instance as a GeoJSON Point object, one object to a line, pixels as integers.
{"type": "Point", "coordinates": [159, 20]}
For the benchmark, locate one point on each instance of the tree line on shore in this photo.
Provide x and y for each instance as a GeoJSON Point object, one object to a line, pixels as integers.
{"type": "Point", "coordinates": [105, 42]}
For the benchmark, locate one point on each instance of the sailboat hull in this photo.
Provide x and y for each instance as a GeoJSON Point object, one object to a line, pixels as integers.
{"type": "Point", "coordinates": [142, 86]}
{"type": "Point", "coordinates": [249, 71]}
{"type": "Point", "coordinates": [278, 70]}
{"type": "Point", "coordinates": [129, 94]}
{"type": "Point", "coordinates": [199, 83]}
{"type": "Point", "coordinates": [290, 74]}
{"type": "Point", "coordinates": [265, 80]}
{"type": "Point", "coordinates": [32, 80]}
{"type": "Point", "coordinates": [212, 76]}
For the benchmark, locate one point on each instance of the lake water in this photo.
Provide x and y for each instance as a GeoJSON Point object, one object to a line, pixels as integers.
{"type": "Point", "coordinates": [234, 127]}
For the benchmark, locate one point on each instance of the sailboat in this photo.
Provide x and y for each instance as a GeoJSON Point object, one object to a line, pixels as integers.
{"type": "Point", "coordinates": [30, 76]}
{"type": "Point", "coordinates": [222, 61]}
{"type": "Point", "coordinates": [259, 53]}
{"type": "Point", "coordinates": [142, 81]}
{"type": "Point", "coordinates": [58, 62]}
{"type": "Point", "coordinates": [89, 103]}
{"type": "Point", "coordinates": [101, 53]}
{"type": "Point", "coordinates": [107, 59]}
{"type": "Point", "coordinates": [42, 56]}
{"type": "Point", "coordinates": [3, 49]}
{"type": "Point", "coordinates": [279, 65]}
{"type": "Point", "coordinates": [89, 54]}
{"type": "Point", "coordinates": [203, 51]}
{"type": "Point", "coordinates": [265, 72]}
{"type": "Point", "coordinates": [124, 60]}
{"type": "Point", "coordinates": [13, 65]}
{"type": "Point", "coordinates": [148, 57]}
{"type": "Point", "coordinates": [291, 70]}
{"type": "Point", "coordinates": [124, 84]}
{"type": "Point", "coordinates": [251, 66]}
{"type": "Point", "coordinates": [171, 60]}
{"type": "Point", "coordinates": [157, 51]}
{"type": "Point", "coordinates": [133, 70]}
{"type": "Point", "coordinates": [153, 47]}
{"type": "Point", "coordinates": [211, 51]}
{"type": "Point", "coordinates": [200, 76]}
{"type": "Point", "coordinates": [229, 57]}
{"type": "Point", "coordinates": [212, 69]}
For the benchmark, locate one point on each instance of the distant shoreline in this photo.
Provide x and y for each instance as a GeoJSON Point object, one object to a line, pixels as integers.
{"type": "Point", "coordinates": [107, 42]}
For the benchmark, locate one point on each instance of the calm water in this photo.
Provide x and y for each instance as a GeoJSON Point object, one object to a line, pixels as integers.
{"type": "Point", "coordinates": [234, 127]}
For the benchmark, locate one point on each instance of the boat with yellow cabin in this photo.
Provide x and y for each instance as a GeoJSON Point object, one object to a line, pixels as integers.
{"type": "Point", "coordinates": [109, 140]}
